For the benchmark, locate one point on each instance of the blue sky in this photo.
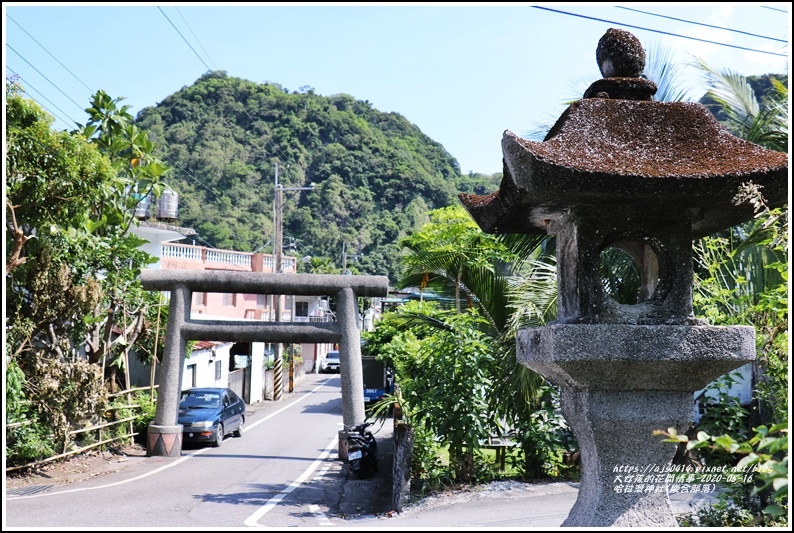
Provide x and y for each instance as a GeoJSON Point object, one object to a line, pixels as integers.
{"type": "Point", "coordinates": [462, 73]}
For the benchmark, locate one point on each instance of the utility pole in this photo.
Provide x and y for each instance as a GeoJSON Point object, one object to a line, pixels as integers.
{"type": "Point", "coordinates": [345, 256]}
{"type": "Point", "coordinates": [278, 385]}
{"type": "Point", "coordinates": [278, 223]}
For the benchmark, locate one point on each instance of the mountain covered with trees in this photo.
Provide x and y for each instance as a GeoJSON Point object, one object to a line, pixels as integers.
{"type": "Point", "coordinates": [375, 175]}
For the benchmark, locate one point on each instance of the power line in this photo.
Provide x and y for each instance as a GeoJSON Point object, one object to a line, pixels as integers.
{"type": "Point", "coordinates": [270, 143]}
{"type": "Point", "coordinates": [197, 236]}
{"type": "Point", "coordinates": [214, 192]}
{"type": "Point", "coordinates": [28, 85]}
{"type": "Point", "coordinates": [52, 56]}
{"type": "Point", "coordinates": [194, 36]}
{"type": "Point", "coordinates": [702, 24]}
{"type": "Point", "coordinates": [43, 76]}
{"type": "Point", "coordinates": [774, 9]}
{"type": "Point", "coordinates": [660, 31]}
{"type": "Point", "coordinates": [183, 38]}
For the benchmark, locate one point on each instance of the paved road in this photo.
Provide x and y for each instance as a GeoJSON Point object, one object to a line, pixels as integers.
{"type": "Point", "coordinates": [502, 505]}
{"type": "Point", "coordinates": [284, 472]}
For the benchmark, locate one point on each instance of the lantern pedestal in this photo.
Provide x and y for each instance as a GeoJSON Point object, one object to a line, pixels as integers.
{"type": "Point", "coordinates": [619, 384]}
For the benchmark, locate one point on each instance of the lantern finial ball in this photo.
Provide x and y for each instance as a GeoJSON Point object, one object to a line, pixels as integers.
{"type": "Point", "coordinates": [620, 55]}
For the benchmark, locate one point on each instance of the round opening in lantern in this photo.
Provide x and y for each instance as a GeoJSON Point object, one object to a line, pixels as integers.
{"type": "Point", "coordinates": [629, 272]}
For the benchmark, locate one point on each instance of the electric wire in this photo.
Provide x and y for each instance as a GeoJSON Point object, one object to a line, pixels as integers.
{"type": "Point", "coordinates": [195, 179]}
{"type": "Point", "coordinates": [184, 171]}
{"type": "Point", "coordinates": [45, 77]}
{"type": "Point", "coordinates": [774, 9]}
{"type": "Point", "coordinates": [45, 49]}
{"type": "Point", "coordinates": [176, 168]}
{"type": "Point", "coordinates": [659, 31]}
{"type": "Point", "coordinates": [271, 145]}
{"type": "Point", "coordinates": [196, 38]}
{"type": "Point", "coordinates": [703, 24]}
{"type": "Point", "coordinates": [183, 38]}
{"type": "Point", "coordinates": [29, 86]}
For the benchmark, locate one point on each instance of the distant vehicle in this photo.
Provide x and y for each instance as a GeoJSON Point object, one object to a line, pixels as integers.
{"type": "Point", "coordinates": [207, 415]}
{"type": "Point", "coordinates": [330, 363]}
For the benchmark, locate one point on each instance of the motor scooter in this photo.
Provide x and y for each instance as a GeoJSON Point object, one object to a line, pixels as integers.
{"type": "Point", "coordinates": [362, 450]}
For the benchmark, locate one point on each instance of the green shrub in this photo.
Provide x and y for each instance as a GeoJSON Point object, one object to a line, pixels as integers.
{"type": "Point", "coordinates": [759, 494]}
{"type": "Point", "coordinates": [118, 411]}
{"type": "Point", "coordinates": [428, 466]}
{"type": "Point", "coordinates": [28, 443]}
{"type": "Point", "coordinates": [734, 508]}
{"type": "Point", "coordinates": [724, 415]}
{"type": "Point", "coordinates": [547, 440]}
{"type": "Point", "coordinates": [145, 413]}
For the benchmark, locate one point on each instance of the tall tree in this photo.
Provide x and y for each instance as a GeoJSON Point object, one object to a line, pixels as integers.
{"type": "Point", "coordinates": [72, 265]}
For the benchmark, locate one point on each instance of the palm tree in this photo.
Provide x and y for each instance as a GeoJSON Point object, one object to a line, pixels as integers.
{"type": "Point", "coordinates": [763, 122]}
{"type": "Point", "coordinates": [509, 279]}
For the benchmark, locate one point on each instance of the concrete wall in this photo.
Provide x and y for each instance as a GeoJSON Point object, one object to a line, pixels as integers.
{"type": "Point", "coordinates": [742, 390]}
{"type": "Point", "coordinates": [257, 376]}
{"type": "Point", "coordinates": [203, 363]}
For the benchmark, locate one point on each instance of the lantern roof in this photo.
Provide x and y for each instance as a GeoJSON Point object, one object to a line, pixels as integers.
{"type": "Point", "coordinates": [672, 159]}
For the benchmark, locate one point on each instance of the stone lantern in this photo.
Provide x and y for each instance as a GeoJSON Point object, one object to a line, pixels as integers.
{"type": "Point", "coordinates": [620, 170]}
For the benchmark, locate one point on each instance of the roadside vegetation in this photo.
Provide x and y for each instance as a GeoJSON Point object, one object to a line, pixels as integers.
{"type": "Point", "coordinates": [742, 278]}
{"type": "Point", "coordinates": [74, 306]}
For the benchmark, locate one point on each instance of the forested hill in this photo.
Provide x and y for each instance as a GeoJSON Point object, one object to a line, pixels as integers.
{"type": "Point", "coordinates": [376, 175]}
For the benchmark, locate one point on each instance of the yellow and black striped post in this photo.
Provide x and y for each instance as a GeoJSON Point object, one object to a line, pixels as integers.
{"type": "Point", "coordinates": [291, 371]}
{"type": "Point", "coordinates": [278, 384]}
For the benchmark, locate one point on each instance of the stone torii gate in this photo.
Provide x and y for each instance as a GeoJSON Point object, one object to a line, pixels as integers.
{"type": "Point", "coordinates": [164, 434]}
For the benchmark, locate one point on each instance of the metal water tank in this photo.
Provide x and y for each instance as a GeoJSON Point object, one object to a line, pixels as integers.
{"type": "Point", "coordinates": [143, 205]}
{"type": "Point", "coordinates": [168, 207]}
{"type": "Point", "coordinates": [143, 208]}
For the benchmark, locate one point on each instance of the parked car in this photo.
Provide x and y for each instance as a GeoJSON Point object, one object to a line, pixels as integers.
{"type": "Point", "coordinates": [207, 415]}
{"type": "Point", "coordinates": [330, 363]}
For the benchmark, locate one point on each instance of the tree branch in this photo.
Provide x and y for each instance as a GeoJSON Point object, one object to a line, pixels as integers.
{"type": "Point", "coordinates": [14, 260]}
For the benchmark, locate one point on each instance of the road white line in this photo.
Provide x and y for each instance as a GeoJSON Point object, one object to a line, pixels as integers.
{"type": "Point", "coordinates": [147, 474]}
{"type": "Point", "coordinates": [321, 475]}
{"type": "Point", "coordinates": [169, 465]}
{"type": "Point", "coordinates": [321, 517]}
{"type": "Point", "coordinates": [253, 520]}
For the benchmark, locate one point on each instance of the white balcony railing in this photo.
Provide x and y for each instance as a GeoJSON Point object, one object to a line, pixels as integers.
{"type": "Point", "coordinates": [182, 251]}
{"type": "Point", "coordinates": [227, 257]}
{"type": "Point", "coordinates": [242, 260]}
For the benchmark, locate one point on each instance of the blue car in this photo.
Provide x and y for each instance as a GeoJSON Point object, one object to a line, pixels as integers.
{"type": "Point", "coordinates": [207, 415]}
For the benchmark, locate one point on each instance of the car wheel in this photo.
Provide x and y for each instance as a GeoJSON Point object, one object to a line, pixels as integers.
{"type": "Point", "coordinates": [239, 431]}
{"type": "Point", "coordinates": [218, 437]}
